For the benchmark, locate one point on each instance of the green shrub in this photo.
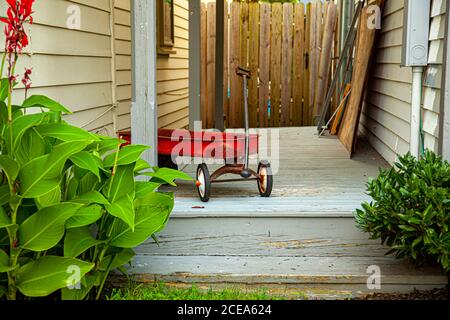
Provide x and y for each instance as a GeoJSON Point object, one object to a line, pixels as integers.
{"type": "Point", "coordinates": [410, 211]}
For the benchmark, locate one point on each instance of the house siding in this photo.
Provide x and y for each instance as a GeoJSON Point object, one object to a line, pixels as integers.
{"type": "Point", "coordinates": [89, 70]}
{"type": "Point", "coordinates": [173, 74]}
{"type": "Point", "coordinates": [385, 119]}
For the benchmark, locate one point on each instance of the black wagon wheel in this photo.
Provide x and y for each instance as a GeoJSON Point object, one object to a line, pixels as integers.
{"type": "Point", "coordinates": [203, 182]}
{"type": "Point", "coordinates": [265, 181]}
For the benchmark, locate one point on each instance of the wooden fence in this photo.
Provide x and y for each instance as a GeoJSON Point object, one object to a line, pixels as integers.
{"type": "Point", "coordinates": [291, 50]}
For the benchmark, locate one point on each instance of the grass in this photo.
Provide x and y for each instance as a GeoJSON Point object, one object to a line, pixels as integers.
{"type": "Point", "coordinates": [160, 291]}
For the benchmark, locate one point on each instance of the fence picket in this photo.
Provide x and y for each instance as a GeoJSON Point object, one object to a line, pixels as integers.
{"type": "Point", "coordinates": [253, 58]}
{"type": "Point", "coordinates": [264, 65]}
{"type": "Point", "coordinates": [286, 65]}
{"type": "Point", "coordinates": [298, 73]}
{"type": "Point", "coordinates": [235, 56]}
{"type": "Point", "coordinates": [275, 64]}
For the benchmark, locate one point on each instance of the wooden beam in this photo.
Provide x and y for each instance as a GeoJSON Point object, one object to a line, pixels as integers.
{"type": "Point", "coordinates": [194, 62]}
{"type": "Point", "coordinates": [144, 115]}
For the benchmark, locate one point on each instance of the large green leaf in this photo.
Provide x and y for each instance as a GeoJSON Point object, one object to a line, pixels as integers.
{"type": "Point", "coordinates": [44, 102]}
{"type": "Point", "coordinates": [152, 213]}
{"type": "Point", "coordinates": [4, 89]}
{"type": "Point", "coordinates": [117, 260]}
{"type": "Point", "coordinates": [44, 229]}
{"type": "Point", "coordinates": [42, 277]}
{"type": "Point", "coordinates": [49, 199]}
{"type": "Point", "coordinates": [65, 132]}
{"type": "Point", "coordinates": [87, 161]}
{"type": "Point", "coordinates": [123, 209]}
{"type": "Point", "coordinates": [4, 262]}
{"type": "Point", "coordinates": [10, 167]}
{"type": "Point", "coordinates": [85, 216]}
{"type": "Point", "coordinates": [90, 198]}
{"type": "Point", "coordinates": [121, 184]}
{"type": "Point", "coordinates": [20, 126]}
{"type": "Point", "coordinates": [87, 183]}
{"type": "Point", "coordinates": [4, 194]}
{"type": "Point", "coordinates": [143, 188]}
{"type": "Point", "coordinates": [42, 174]}
{"type": "Point", "coordinates": [168, 175]}
{"type": "Point", "coordinates": [77, 241]}
{"type": "Point", "coordinates": [127, 155]}
{"type": "Point", "coordinates": [87, 283]}
{"type": "Point", "coordinates": [32, 146]}
{"type": "Point", "coordinates": [5, 221]}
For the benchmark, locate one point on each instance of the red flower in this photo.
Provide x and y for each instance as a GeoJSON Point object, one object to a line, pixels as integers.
{"type": "Point", "coordinates": [26, 78]}
{"type": "Point", "coordinates": [18, 13]}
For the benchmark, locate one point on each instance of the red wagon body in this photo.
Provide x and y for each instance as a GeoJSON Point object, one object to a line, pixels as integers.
{"type": "Point", "coordinates": [207, 145]}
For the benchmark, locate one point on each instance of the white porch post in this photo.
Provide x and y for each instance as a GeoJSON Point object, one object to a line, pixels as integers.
{"type": "Point", "coordinates": [144, 115]}
{"type": "Point", "coordinates": [444, 144]}
{"type": "Point", "coordinates": [194, 62]}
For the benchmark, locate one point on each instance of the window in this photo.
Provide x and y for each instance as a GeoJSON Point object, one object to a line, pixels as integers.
{"type": "Point", "coordinates": [166, 37]}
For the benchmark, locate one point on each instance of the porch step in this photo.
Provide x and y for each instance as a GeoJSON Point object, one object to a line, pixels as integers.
{"type": "Point", "coordinates": [319, 254]}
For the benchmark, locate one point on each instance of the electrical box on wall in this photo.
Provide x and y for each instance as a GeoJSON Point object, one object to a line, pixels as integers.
{"type": "Point", "coordinates": [416, 29]}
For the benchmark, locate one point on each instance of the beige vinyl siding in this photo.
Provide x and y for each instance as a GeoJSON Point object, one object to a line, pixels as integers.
{"type": "Point", "coordinates": [387, 107]}
{"type": "Point", "coordinates": [173, 74]}
{"type": "Point", "coordinates": [89, 70]}
{"type": "Point", "coordinates": [71, 66]}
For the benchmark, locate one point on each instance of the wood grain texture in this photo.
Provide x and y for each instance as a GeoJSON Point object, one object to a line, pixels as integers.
{"type": "Point", "coordinates": [264, 65]}
{"type": "Point", "coordinates": [275, 64]}
{"type": "Point", "coordinates": [325, 62]}
{"type": "Point", "coordinates": [253, 58]}
{"type": "Point", "coordinates": [235, 57]}
{"type": "Point", "coordinates": [364, 48]}
{"type": "Point", "coordinates": [226, 65]}
{"type": "Point", "coordinates": [286, 65]}
{"type": "Point", "coordinates": [314, 37]}
{"type": "Point", "coordinates": [298, 64]}
{"type": "Point", "coordinates": [307, 114]}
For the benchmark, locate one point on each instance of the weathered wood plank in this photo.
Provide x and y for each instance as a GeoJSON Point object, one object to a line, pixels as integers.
{"type": "Point", "coordinates": [313, 55]}
{"type": "Point", "coordinates": [325, 62]}
{"type": "Point", "coordinates": [244, 54]}
{"type": "Point", "coordinates": [226, 65]}
{"type": "Point", "coordinates": [235, 56]}
{"type": "Point", "coordinates": [297, 270]}
{"type": "Point", "coordinates": [253, 57]}
{"type": "Point", "coordinates": [211, 63]}
{"type": "Point", "coordinates": [364, 47]}
{"type": "Point", "coordinates": [275, 64]}
{"type": "Point", "coordinates": [264, 65]}
{"type": "Point", "coordinates": [286, 65]}
{"type": "Point", "coordinates": [299, 68]}
{"type": "Point", "coordinates": [307, 113]}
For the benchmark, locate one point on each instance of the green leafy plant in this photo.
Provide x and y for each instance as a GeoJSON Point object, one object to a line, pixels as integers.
{"type": "Point", "coordinates": [71, 208]}
{"type": "Point", "coordinates": [410, 211]}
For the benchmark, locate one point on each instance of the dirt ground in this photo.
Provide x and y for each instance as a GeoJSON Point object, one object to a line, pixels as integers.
{"type": "Point", "coordinates": [436, 294]}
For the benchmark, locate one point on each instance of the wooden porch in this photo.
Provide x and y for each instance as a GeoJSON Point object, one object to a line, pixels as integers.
{"type": "Point", "coordinates": [302, 239]}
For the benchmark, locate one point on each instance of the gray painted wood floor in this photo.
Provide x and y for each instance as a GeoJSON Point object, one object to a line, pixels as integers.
{"type": "Point", "coordinates": [301, 239]}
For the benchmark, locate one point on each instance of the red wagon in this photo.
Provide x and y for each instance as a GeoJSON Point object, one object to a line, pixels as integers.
{"type": "Point", "coordinates": [234, 148]}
